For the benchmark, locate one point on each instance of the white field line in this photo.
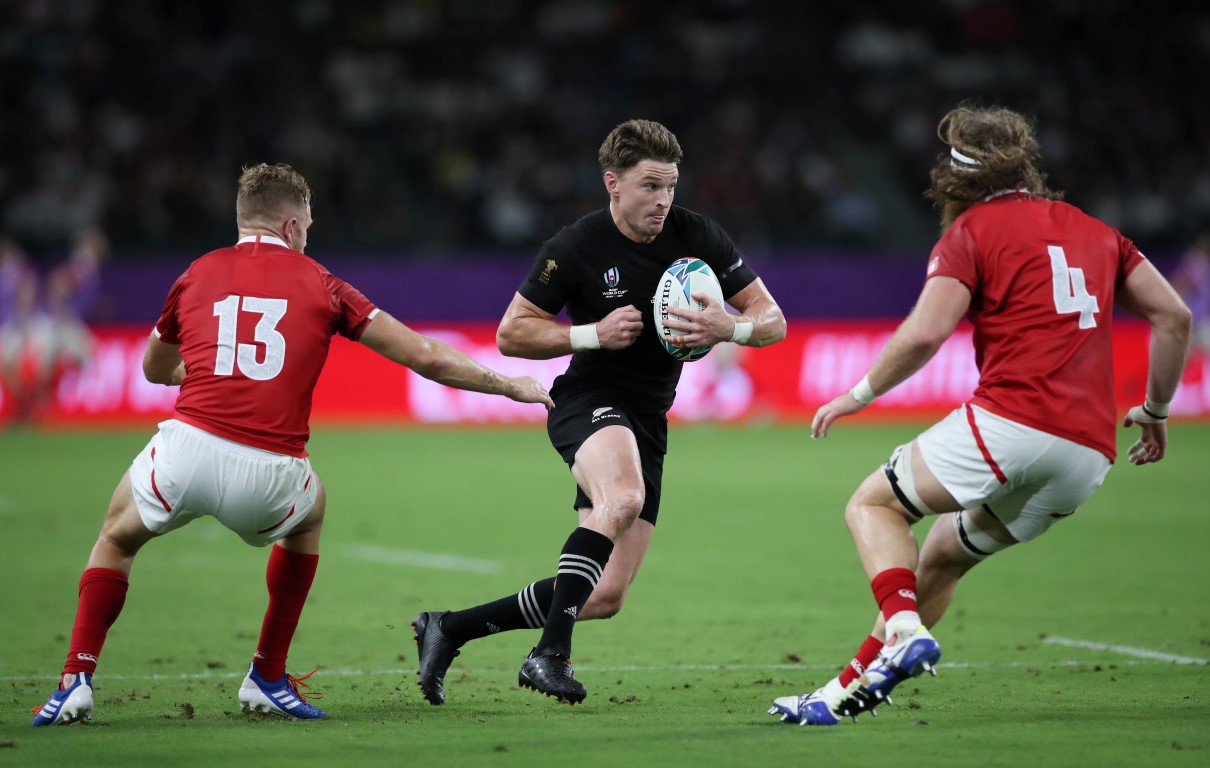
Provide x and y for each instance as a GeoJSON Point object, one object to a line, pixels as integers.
{"type": "Point", "coordinates": [392, 556]}
{"type": "Point", "coordinates": [411, 671]}
{"type": "Point", "coordinates": [1141, 653]}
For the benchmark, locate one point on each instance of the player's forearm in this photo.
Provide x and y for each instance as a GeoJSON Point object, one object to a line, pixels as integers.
{"type": "Point", "coordinates": [1169, 352]}
{"type": "Point", "coordinates": [162, 364]}
{"type": "Point", "coordinates": [768, 324]}
{"type": "Point", "coordinates": [907, 352]}
{"type": "Point", "coordinates": [452, 368]}
{"type": "Point", "coordinates": [534, 338]}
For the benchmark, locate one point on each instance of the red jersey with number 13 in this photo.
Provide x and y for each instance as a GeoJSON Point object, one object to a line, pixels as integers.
{"type": "Point", "coordinates": [254, 322]}
{"type": "Point", "coordinates": [1042, 275]}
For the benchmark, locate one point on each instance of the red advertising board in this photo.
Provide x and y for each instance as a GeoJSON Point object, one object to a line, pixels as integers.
{"type": "Point", "coordinates": [785, 382]}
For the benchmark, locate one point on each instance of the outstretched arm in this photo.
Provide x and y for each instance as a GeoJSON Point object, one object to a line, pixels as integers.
{"type": "Point", "coordinates": [1147, 294]}
{"type": "Point", "coordinates": [444, 364]}
{"type": "Point", "coordinates": [941, 305]}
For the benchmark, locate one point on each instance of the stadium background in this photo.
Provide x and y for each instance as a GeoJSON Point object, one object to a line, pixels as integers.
{"type": "Point", "coordinates": [446, 140]}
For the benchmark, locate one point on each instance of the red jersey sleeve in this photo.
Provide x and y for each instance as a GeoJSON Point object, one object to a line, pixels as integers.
{"type": "Point", "coordinates": [350, 308]}
{"type": "Point", "coordinates": [955, 255]}
{"type": "Point", "coordinates": [168, 327]}
{"type": "Point", "coordinates": [1129, 257]}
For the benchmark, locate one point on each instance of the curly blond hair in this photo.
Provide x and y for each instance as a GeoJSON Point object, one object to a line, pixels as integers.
{"type": "Point", "coordinates": [992, 149]}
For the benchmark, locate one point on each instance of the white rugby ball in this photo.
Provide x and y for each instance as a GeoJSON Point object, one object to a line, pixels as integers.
{"type": "Point", "coordinates": [677, 285]}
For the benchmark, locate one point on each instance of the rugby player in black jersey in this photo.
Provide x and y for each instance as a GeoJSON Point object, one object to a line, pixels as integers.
{"type": "Point", "coordinates": [610, 421]}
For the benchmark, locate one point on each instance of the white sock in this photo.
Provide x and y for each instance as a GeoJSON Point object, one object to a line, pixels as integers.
{"type": "Point", "coordinates": [902, 625]}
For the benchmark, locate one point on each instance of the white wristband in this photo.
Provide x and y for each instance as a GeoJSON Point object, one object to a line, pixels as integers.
{"type": "Point", "coordinates": [584, 337]}
{"type": "Point", "coordinates": [863, 392]}
{"type": "Point", "coordinates": [1155, 410]}
{"type": "Point", "coordinates": [742, 332]}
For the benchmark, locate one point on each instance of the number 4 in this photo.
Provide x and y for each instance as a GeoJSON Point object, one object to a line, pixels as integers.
{"type": "Point", "coordinates": [1071, 295]}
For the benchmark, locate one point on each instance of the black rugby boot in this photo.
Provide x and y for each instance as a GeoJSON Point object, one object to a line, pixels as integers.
{"type": "Point", "coordinates": [551, 674]}
{"type": "Point", "coordinates": [436, 652]}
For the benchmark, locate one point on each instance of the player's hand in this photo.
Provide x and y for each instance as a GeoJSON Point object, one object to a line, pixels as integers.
{"type": "Point", "coordinates": [703, 328]}
{"type": "Point", "coordinates": [1150, 447]}
{"type": "Point", "coordinates": [529, 390]}
{"type": "Point", "coordinates": [842, 405]}
{"type": "Point", "coordinates": [620, 328]}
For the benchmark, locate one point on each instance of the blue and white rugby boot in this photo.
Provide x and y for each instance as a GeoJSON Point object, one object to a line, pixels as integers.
{"type": "Point", "coordinates": [67, 705]}
{"type": "Point", "coordinates": [825, 706]}
{"type": "Point", "coordinates": [907, 657]}
{"type": "Point", "coordinates": [279, 697]}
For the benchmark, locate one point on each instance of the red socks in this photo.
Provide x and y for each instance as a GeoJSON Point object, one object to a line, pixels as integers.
{"type": "Point", "coordinates": [102, 595]}
{"type": "Point", "coordinates": [864, 658]}
{"type": "Point", "coordinates": [895, 591]}
{"type": "Point", "coordinates": [288, 576]}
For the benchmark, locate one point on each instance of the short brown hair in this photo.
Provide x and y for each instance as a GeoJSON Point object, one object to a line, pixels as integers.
{"type": "Point", "coordinates": [268, 191]}
{"type": "Point", "coordinates": [1000, 151]}
{"type": "Point", "coordinates": [634, 141]}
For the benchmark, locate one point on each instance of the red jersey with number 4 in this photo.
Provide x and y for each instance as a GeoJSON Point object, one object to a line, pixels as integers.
{"type": "Point", "coordinates": [254, 322]}
{"type": "Point", "coordinates": [1042, 276]}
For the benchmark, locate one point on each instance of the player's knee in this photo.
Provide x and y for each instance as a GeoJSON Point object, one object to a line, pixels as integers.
{"type": "Point", "coordinates": [118, 543]}
{"type": "Point", "coordinates": [861, 504]}
{"type": "Point", "coordinates": [625, 504]}
{"type": "Point", "coordinates": [606, 602]}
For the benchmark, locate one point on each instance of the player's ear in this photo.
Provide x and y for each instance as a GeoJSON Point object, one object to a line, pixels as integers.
{"type": "Point", "coordinates": [611, 183]}
{"type": "Point", "coordinates": [288, 228]}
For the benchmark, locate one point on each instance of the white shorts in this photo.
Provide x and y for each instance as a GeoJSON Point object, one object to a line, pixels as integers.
{"type": "Point", "coordinates": [1028, 478]}
{"type": "Point", "coordinates": [185, 473]}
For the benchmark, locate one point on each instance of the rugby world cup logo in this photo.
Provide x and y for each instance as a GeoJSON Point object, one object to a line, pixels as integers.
{"type": "Point", "coordinates": [612, 276]}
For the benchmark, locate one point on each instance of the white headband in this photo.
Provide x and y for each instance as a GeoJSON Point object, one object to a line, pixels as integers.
{"type": "Point", "coordinates": [968, 163]}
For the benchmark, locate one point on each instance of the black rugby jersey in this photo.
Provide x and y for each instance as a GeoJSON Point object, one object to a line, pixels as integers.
{"type": "Point", "coordinates": [591, 268]}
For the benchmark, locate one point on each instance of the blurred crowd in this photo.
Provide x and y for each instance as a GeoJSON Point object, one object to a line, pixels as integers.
{"type": "Point", "coordinates": [43, 321]}
{"type": "Point", "coordinates": [433, 126]}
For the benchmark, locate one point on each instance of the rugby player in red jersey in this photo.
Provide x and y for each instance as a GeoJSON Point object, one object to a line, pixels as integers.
{"type": "Point", "coordinates": [1038, 279]}
{"type": "Point", "coordinates": [245, 333]}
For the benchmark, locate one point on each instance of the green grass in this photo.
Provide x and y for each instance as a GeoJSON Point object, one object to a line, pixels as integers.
{"type": "Point", "coordinates": [751, 590]}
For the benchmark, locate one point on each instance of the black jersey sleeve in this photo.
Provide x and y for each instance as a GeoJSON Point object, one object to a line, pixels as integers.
{"type": "Point", "coordinates": [712, 245]}
{"type": "Point", "coordinates": [548, 283]}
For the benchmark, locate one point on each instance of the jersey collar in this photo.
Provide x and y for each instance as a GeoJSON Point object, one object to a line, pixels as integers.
{"type": "Point", "coordinates": [1004, 192]}
{"type": "Point", "coordinates": [262, 239]}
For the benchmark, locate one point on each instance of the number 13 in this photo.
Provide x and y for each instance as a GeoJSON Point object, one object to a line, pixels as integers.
{"type": "Point", "coordinates": [271, 312]}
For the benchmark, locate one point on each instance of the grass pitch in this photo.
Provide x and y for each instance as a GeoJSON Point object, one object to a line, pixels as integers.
{"type": "Point", "coordinates": [1087, 647]}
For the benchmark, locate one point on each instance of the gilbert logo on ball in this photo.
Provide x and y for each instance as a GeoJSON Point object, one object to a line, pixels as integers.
{"type": "Point", "coordinates": [682, 279]}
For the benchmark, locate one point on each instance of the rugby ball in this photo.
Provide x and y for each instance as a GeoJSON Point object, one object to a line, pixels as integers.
{"type": "Point", "coordinates": [682, 279]}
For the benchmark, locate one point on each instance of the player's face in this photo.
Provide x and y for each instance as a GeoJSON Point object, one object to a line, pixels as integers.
{"type": "Point", "coordinates": [640, 198]}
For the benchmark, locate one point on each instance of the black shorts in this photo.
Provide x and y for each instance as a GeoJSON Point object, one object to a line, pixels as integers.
{"type": "Point", "coordinates": [580, 411]}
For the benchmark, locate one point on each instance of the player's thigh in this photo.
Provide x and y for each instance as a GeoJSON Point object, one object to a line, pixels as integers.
{"type": "Point", "coordinates": [594, 434]}
{"type": "Point", "coordinates": [158, 483]}
{"type": "Point", "coordinates": [306, 534]}
{"type": "Point", "coordinates": [906, 484]}
{"type": "Point", "coordinates": [608, 464]}
{"type": "Point", "coordinates": [123, 527]}
{"type": "Point", "coordinates": [956, 468]}
{"type": "Point", "coordinates": [1062, 477]}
